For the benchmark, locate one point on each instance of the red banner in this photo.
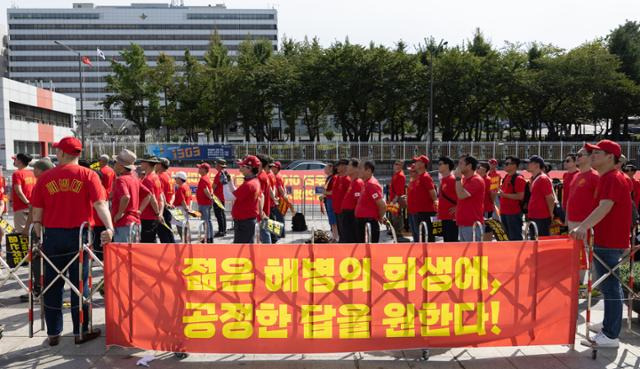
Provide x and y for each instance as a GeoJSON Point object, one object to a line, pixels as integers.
{"type": "Point", "coordinates": [340, 298]}
{"type": "Point", "coordinates": [302, 185]}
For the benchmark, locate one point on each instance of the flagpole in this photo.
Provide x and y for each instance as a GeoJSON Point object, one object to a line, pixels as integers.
{"type": "Point", "coordinates": [81, 94]}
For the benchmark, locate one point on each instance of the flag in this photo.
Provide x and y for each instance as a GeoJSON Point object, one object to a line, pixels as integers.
{"type": "Point", "coordinates": [101, 54]}
{"type": "Point", "coordinates": [87, 61]}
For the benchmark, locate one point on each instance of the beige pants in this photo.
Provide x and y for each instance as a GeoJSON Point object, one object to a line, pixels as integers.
{"type": "Point", "coordinates": [20, 220]}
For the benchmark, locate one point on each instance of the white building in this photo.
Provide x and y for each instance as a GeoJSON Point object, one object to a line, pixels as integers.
{"type": "Point", "coordinates": [34, 57]}
{"type": "Point", "coordinates": [32, 119]}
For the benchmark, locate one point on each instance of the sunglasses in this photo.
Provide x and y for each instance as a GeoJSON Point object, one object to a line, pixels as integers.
{"type": "Point", "coordinates": [568, 161]}
{"type": "Point", "coordinates": [508, 163]}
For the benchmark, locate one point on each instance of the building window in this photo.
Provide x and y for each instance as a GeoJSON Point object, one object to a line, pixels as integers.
{"type": "Point", "coordinates": [239, 26]}
{"type": "Point", "coordinates": [34, 114]}
{"type": "Point", "coordinates": [32, 148]}
{"type": "Point", "coordinates": [54, 16]}
{"type": "Point", "coordinates": [231, 16]}
{"type": "Point", "coordinates": [189, 37]}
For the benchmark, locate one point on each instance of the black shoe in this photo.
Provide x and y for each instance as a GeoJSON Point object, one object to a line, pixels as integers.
{"type": "Point", "coordinates": [210, 240]}
{"type": "Point", "coordinates": [88, 336]}
{"type": "Point", "coordinates": [181, 355]}
{"type": "Point", "coordinates": [54, 340]}
{"type": "Point", "coordinates": [24, 298]}
{"type": "Point", "coordinates": [219, 234]}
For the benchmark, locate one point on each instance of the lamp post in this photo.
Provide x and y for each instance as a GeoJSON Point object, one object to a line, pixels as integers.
{"type": "Point", "coordinates": [81, 93]}
{"type": "Point", "coordinates": [430, 133]}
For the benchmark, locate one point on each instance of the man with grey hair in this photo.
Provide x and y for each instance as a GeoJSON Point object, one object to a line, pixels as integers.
{"type": "Point", "coordinates": [107, 175]}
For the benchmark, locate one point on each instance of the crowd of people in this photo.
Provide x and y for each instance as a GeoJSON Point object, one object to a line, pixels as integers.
{"type": "Point", "coordinates": [599, 192]}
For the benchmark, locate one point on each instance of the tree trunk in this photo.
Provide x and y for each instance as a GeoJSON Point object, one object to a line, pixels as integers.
{"type": "Point", "coordinates": [143, 132]}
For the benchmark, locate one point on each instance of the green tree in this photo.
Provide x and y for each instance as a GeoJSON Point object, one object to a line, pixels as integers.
{"type": "Point", "coordinates": [193, 110]}
{"type": "Point", "coordinates": [133, 90]}
{"type": "Point", "coordinates": [164, 76]}
{"type": "Point", "coordinates": [221, 89]}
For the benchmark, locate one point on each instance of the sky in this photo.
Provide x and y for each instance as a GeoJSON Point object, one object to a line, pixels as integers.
{"type": "Point", "coordinates": [564, 23]}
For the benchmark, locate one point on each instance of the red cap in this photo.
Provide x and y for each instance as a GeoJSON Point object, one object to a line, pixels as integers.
{"type": "Point", "coordinates": [277, 164]}
{"type": "Point", "coordinates": [422, 158]}
{"type": "Point", "coordinates": [250, 161]}
{"type": "Point", "coordinates": [607, 146]}
{"type": "Point", "coordinates": [69, 145]}
{"type": "Point", "coordinates": [205, 166]}
{"type": "Point", "coordinates": [493, 161]}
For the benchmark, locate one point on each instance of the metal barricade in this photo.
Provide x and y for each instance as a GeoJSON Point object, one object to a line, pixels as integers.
{"type": "Point", "coordinates": [31, 292]}
{"type": "Point", "coordinates": [421, 226]}
{"type": "Point", "coordinates": [256, 236]}
{"type": "Point", "coordinates": [627, 256]}
{"type": "Point", "coordinates": [393, 231]}
{"type": "Point", "coordinates": [367, 232]}
{"type": "Point", "coordinates": [526, 230]}
{"type": "Point", "coordinates": [135, 230]}
{"type": "Point", "coordinates": [473, 230]}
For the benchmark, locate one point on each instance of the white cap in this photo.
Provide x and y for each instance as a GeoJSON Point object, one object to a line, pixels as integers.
{"type": "Point", "coordinates": [180, 175]}
{"type": "Point", "coordinates": [104, 157]}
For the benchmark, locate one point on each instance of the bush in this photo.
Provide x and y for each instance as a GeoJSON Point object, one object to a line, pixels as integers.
{"type": "Point", "coordinates": [624, 274]}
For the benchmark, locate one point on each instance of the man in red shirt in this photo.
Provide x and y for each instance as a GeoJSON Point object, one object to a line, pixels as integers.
{"type": "Point", "coordinates": [370, 207]}
{"type": "Point", "coordinates": [221, 218]}
{"type": "Point", "coordinates": [107, 174]}
{"type": "Point", "coordinates": [165, 234]}
{"type": "Point", "coordinates": [471, 195]}
{"type": "Point", "coordinates": [204, 198]}
{"type": "Point", "coordinates": [511, 194]}
{"type": "Point", "coordinates": [280, 192]}
{"type": "Point", "coordinates": [182, 201]}
{"type": "Point", "coordinates": [62, 202]}
{"type": "Point", "coordinates": [247, 200]}
{"type": "Point", "coordinates": [397, 189]}
{"type": "Point", "coordinates": [630, 171]}
{"type": "Point", "coordinates": [447, 199]}
{"type": "Point", "coordinates": [267, 195]}
{"type": "Point", "coordinates": [571, 168]}
{"type": "Point", "coordinates": [542, 200]}
{"type": "Point", "coordinates": [494, 176]}
{"type": "Point", "coordinates": [22, 183]}
{"type": "Point", "coordinates": [580, 200]}
{"type": "Point", "coordinates": [422, 200]}
{"type": "Point", "coordinates": [350, 200]}
{"type": "Point", "coordinates": [611, 223]}
{"type": "Point", "coordinates": [489, 198]}
{"type": "Point", "coordinates": [340, 186]}
{"type": "Point", "coordinates": [151, 219]}
{"type": "Point", "coordinates": [128, 196]}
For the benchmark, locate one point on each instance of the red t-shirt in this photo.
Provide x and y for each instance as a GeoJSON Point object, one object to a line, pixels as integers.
{"type": "Point", "coordinates": [265, 186]}
{"type": "Point", "coordinates": [3, 183]}
{"type": "Point", "coordinates": [152, 182]}
{"type": "Point", "coordinates": [540, 188]}
{"type": "Point", "coordinates": [166, 182]}
{"type": "Point", "coordinates": [448, 188]}
{"type": "Point", "coordinates": [366, 206]}
{"type": "Point", "coordinates": [398, 185]}
{"type": "Point", "coordinates": [219, 190]}
{"type": "Point", "coordinates": [183, 195]}
{"type": "Point", "coordinates": [488, 203]}
{"type": "Point", "coordinates": [340, 186]}
{"type": "Point", "coordinates": [279, 185]}
{"type": "Point", "coordinates": [495, 180]}
{"type": "Point", "coordinates": [247, 199]}
{"type": "Point", "coordinates": [329, 185]}
{"type": "Point", "coordinates": [419, 198]}
{"type": "Point", "coordinates": [66, 194]}
{"type": "Point", "coordinates": [567, 179]}
{"type": "Point", "coordinates": [581, 201]}
{"type": "Point", "coordinates": [471, 209]}
{"type": "Point", "coordinates": [614, 229]}
{"type": "Point", "coordinates": [127, 185]}
{"type": "Point", "coordinates": [511, 206]}
{"type": "Point", "coordinates": [636, 192]}
{"type": "Point", "coordinates": [353, 194]}
{"type": "Point", "coordinates": [629, 182]}
{"type": "Point", "coordinates": [27, 181]}
{"type": "Point", "coordinates": [108, 176]}
{"type": "Point", "coordinates": [201, 198]}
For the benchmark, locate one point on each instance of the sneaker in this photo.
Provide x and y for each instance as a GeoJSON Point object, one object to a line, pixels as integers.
{"type": "Point", "coordinates": [600, 340]}
{"type": "Point", "coordinates": [54, 340]}
{"type": "Point", "coordinates": [219, 234]}
{"type": "Point", "coordinates": [595, 327]}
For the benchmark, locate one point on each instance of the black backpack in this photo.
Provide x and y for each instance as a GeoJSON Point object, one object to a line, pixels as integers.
{"type": "Point", "coordinates": [524, 203]}
{"type": "Point", "coordinates": [299, 224]}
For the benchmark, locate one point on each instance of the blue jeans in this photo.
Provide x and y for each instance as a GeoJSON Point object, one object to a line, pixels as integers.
{"type": "Point", "coordinates": [60, 246]}
{"type": "Point", "coordinates": [611, 290]}
{"type": "Point", "coordinates": [465, 234]}
{"type": "Point", "coordinates": [265, 236]}
{"type": "Point", "coordinates": [513, 226]}
{"type": "Point", "coordinates": [205, 210]}
{"type": "Point", "coordinates": [121, 234]}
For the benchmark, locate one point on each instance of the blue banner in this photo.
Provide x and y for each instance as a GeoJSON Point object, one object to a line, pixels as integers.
{"type": "Point", "coordinates": [191, 152]}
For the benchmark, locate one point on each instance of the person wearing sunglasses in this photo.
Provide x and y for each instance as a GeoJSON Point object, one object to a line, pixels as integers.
{"type": "Point", "coordinates": [571, 171]}
{"type": "Point", "coordinates": [511, 195]}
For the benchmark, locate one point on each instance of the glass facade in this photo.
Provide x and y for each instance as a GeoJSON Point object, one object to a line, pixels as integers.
{"type": "Point", "coordinates": [34, 114]}
{"type": "Point", "coordinates": [146, 26]}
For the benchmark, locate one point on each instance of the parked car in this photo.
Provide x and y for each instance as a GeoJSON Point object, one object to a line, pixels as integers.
{"type": "Point", "coordinates": [306, 165]}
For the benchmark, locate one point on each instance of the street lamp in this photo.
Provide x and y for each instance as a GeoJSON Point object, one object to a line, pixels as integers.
{"type": "Point", "coordinates": [81, 93]}
{"type": "Point", "coordinates": [430, 133]}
